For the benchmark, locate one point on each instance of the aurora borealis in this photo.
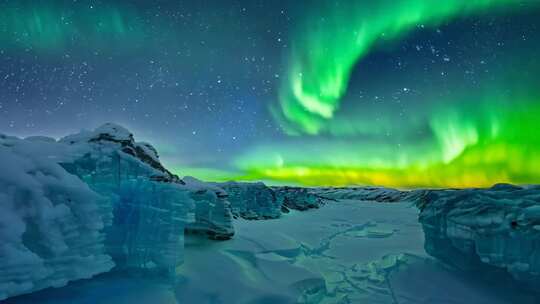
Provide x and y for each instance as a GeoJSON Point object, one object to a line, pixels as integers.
{"type": "Point", "coordinates": [406, 93]}
{"type": "Point", "coordinates": [470, 147]}
{"type": "Point", "coordinates": [52, 27]}
{"type": "Point", "coordinates": [333, 42]}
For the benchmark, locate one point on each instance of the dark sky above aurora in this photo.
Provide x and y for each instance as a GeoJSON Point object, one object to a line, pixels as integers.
{"type": "Point", "coordinates": [398, 93]}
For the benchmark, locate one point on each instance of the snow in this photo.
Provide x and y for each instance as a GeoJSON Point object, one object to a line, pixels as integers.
{"type": "Point", "coordinates": [112, 132]}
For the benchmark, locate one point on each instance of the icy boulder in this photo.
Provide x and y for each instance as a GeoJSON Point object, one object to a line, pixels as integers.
{"type": "Point", "coordinates": [297, 198]}
{"type": "Point", "coordinates": [212, 210]}
{"type": "Point", "coordinates": [252, 200]}
{"type": "Point", "coordinates": [51, 223]}
{"type": "Point", "coordinates": [493, 230]}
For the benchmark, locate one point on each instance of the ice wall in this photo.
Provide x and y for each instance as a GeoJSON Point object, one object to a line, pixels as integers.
{"type": "Point", "coordinates": [488, 230]}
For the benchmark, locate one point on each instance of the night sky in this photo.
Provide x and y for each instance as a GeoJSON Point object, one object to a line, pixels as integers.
{"type": "Point", "coordinates": [402, 93]}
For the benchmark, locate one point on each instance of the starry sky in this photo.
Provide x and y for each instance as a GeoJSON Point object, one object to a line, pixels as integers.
{"type": "Point", "coordinates": [403, 93]}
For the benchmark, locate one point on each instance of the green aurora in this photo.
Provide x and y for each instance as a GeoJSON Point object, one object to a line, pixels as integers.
{"type": "Point", "coordinates": [52, 27]}
{"type": "Point", "coordinates": [484, 137]}
{"type": "Point", "coordinates": [330, 45]}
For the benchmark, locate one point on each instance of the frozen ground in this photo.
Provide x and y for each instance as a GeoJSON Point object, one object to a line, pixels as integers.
{"type": "Point", "coordinates": [345, 252]}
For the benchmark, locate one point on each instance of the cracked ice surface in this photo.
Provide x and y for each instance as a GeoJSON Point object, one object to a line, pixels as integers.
{"type": "Point", "coordinates": [345, 252]}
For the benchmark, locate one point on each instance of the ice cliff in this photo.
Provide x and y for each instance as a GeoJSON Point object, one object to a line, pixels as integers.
{"type": "Point", "coordinates": [486, 230]}
{"type": "Point", "coordinates": [77, 207]}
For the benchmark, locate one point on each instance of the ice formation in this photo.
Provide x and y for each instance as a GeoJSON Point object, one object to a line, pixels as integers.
{"type": "Point", "coordinates": [252, 200]}
{"type": "Point", "coordinates": [92, 201]}
{"type": "Point", "coordinates": [486, 229]}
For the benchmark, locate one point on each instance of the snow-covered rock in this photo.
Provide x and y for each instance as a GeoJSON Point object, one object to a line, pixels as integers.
{"type": "Point", "coordinates": [297, 198]}
{"type": "Point", "coordinates": [252, 200]}
{"type": "Point", "coordinates": [496, 229]}
{"type": "Point", "coordinates": [112, 138]}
